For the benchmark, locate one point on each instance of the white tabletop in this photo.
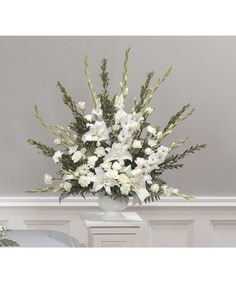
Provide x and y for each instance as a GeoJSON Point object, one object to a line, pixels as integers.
{"type": "Point", "coordinates": [41, 238]}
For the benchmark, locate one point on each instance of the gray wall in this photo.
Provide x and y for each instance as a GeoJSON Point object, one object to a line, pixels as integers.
{"type": "Point", "coordinates": [204, 74]}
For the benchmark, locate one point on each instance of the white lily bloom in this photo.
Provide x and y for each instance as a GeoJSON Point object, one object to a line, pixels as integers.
{"type": "Point", "coordinates": [57, 155]}
{"type": "Point", "coordinates": [57, 141]}
{"type": "Point", "coordinates": [48, 179]}
{"type": "Point", "coordinates": [102, 181]}
{"type": "Point", "coordinates": [137, 144]}
{"type": "Point", "coordinates": [151, 130]}
{"type": "Point", "coordinates": [81, 105]}
{"type": "Point", "coordinates": [137, 182]}
{"type": "Point", "coordinates": [98, 132]}
{"type": "Point", "coordinates": [118, 152]}
{"type": "Point", "coordinates": [72, 149]}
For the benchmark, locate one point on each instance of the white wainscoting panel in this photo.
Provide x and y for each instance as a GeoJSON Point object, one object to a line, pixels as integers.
{"type": "Point", "coordinates": [203, 222]}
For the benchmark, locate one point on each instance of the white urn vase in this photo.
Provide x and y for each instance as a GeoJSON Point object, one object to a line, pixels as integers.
{"type": "Point", "coordinates": [112, 207]}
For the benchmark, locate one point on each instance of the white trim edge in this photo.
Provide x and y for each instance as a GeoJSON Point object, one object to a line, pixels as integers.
{"type": "Point", "coordinates": [198, 201]}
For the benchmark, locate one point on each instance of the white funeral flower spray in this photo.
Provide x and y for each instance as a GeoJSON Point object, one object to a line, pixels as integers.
{"type": "Point", "coordinates": [110, 149]}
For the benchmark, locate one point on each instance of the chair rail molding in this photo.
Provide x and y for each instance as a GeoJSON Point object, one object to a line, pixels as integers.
{"type": "Point", "coordinates": [200, 222]}
{"type": "Point", "coordinates": [198, 201]}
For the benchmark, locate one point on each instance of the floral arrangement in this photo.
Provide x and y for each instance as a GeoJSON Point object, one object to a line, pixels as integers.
{"type": "Point", "coordinates": [6, 242]}
{"type": "Point", "coordinates": [111, 151]}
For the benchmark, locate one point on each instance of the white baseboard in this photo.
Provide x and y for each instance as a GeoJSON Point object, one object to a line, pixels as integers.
{"type": "Point", "coordinates": [199, 201]}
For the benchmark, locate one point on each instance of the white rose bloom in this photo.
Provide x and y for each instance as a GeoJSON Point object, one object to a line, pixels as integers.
{"type": "Point", "coordinates": [148, 151]}
{"type": "Point", "coordinates": [113, 174]}
{"type": "Point", "coordinates": [116, 166]}
{"type": "Point", "coordinates": [100, 151]}
{"type": "Point", "coordinates": [152, 143]}
{"type": "Point", "coordinates": [92, 160]}
{"type": "Point", "coordinates": [57, 155]}
{"type": "Point", "coordinates": [81, 105]}
{"type": "Point", "coordinates": [89, 117]}
{"type": "Point", "coordinates": [48, 179]}
{"type": "Point", "coordinates": [137, 144]}
{"type": "Point", "coordinates": [106, 165]}
{"type": "Point", "coordinates": [163, 149]}
{"type": "Point", "coordinates": [155, 188]}
{"type": "Point", "coordinates": [151, 130]}
{"type": "Point", "coordinates": [72, 149]}
{"type": "Point", "coordinates": [84, 181]}
{"type": "Point", "coordinates": [77, 156]}
{"type": "Point", "coordinates": [67, 186]}
{"type": "Point", "coordinates": [57, 141]}
{"type": "Point", "coordinates": [125, 189]}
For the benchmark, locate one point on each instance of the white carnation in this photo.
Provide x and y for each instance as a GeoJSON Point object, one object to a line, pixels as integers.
{"type": "Point", "coordinates": [148, 151]}
{"type": "Point", "coordinates": [72, 149]}
{"type": "Point", "coordinates": [57, 141]}
{"type": "Point", "coordinates": [92, 160]}
{"type": "Point", "coordinates": [89, 117]}
{"type": "Point", "coordinates": [167, 191]}
{"type": "Point", "coordinates": [48, 179]}
{"type": "Point", "coordinates": [84, 181]}
{"type": "Point", "coordinates": [123, 178]}
{"type": "Point", "coordinates": [151, 130]}
{"type": "Point", "coordinates": [57, 155]}
{"type": "Point", "coordinates": [113, 174]}
{"type": "Point", "coordinates": [152, 143]}
{"type": "Point", "coordinates": [67, 186]}
{"type": "Point", "coordinates": [116, 166]}
{"type": "Point", "coordinates": [155, 188]}
{"type": "Point", "coordinates": [163, 149]}
{"type": "Point", "coordinates": [100, 151]}
{"type": "Point", "coordinates": [105, 165]}
{"type": "Point", "coordinates": [175, 191]}
{"type": "Point", "coordinates": [125, 189]}
{"type": "Point", "coordinates": [77, 156]}
{"type": "Point", "coordinates": [81, 105]}
{"type": "Point", "coordinates": [137, 144]}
